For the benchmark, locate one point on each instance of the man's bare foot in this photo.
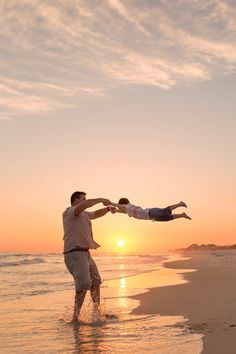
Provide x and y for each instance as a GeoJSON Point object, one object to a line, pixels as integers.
{"type": "Point", "coordinates": [183, 204]}
{"type": "Point", "coordinates": [186, 216]}
{"type": "Point", "coordinates": [111, 316]}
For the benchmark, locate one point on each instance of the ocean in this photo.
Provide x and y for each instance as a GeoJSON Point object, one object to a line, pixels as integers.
{"type": "Point", "coordinates": [37, 295]}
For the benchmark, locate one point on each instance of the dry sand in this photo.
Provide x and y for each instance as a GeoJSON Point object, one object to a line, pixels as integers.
{"type": "Point", "coordinates": [208, 300]}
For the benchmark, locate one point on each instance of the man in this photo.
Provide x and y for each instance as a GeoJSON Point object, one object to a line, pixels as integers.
{"type": "Point", "coordinates": [155, 214]}
{"type": "Point", "coordinates": [78, 240]}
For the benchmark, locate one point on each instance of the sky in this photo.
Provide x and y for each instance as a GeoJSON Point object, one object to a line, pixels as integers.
{"type": "Point", "coordinates": [117, 98]}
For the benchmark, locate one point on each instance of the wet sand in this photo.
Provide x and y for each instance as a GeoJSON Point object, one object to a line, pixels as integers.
{"type": "Point", "coordinates": [208, 300]}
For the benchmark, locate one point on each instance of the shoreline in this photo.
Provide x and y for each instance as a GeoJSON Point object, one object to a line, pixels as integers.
{"type": "Point", "coordinates": [207, 300]}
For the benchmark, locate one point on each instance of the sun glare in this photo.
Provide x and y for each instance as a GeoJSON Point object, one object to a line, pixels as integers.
{"type": "Point", "coordinates": [120, 243]}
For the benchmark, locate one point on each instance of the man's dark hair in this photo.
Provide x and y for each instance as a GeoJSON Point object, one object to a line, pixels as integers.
{"type": "Point", "coordinates": [76, 195]}
{"type": "Point", "coordinates": [123, 201]}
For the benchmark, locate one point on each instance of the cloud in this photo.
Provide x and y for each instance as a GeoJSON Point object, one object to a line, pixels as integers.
{"type": "Point", "coordinates": [124, 12]}
{"type": "Point", "coordinates": [163, 73]}
{"type": "Point", "coordinates": [30, 97]}
{"type": "Point", "coordinates": [54, 54]}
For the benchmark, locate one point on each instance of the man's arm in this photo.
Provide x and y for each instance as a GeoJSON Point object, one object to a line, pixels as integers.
{"type": "Point", "coordinates": [89, 203]}
{"type": "Point", "coordinates": [101, 212]}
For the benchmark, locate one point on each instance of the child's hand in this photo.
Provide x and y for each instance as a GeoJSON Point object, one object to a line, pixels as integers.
{"type": "Point", "coordinates": [113, 210]}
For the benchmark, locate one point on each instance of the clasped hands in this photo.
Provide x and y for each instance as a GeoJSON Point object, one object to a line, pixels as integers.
{"type": "Point", "coordinates": [107, 202]}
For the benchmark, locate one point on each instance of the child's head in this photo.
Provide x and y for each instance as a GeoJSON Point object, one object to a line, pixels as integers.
{"type": "Point", "coordinates": [123, 201]}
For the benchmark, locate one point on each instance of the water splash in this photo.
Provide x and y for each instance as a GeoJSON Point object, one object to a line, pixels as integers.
{"type": "Point", "coordinates": [91, 314]}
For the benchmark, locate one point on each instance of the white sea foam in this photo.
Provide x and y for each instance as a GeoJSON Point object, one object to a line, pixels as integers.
{"type": "Point", "coordinates": [22, 262]}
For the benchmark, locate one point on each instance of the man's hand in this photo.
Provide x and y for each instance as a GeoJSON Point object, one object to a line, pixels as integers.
{"type": "Point", "coordinates": [113, 210]}
{"type": "Point", "coordinates": [105, 201]}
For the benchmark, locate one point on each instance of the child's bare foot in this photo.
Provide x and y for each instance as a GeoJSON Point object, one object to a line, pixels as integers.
{"type": "Point", "coordinates": [186, 216]}
{"type": "Point", "coordinates": [183, 204]}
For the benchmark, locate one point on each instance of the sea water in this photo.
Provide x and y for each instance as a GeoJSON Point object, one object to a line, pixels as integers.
{"type": "Point", "coordinates": [37, 295]}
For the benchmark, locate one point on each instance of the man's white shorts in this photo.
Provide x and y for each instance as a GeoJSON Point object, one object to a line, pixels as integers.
{"type": "Point", "coordinates": [83, 269]}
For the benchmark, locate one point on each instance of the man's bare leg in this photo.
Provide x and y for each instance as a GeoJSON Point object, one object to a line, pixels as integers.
{"type": "Point", "coordinates": [180, 204]}
{"type": "Point", "coordinates": [182, 215]}
{"type": "Point", "coordinates": [95, 294]}
{"type": "Point", "coordinates": [79, 299]}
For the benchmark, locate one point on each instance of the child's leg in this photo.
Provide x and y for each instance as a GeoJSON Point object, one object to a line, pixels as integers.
{"type": "Point", "coordinates": [183, 215]}
{"type": "Point", "coordinates": [180, 204]}
{"type": "Point", "coordinates": [170, 217]}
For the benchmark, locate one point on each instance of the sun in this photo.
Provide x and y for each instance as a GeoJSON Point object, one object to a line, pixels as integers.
{"type": "Point", "coordinates": [121, 243]}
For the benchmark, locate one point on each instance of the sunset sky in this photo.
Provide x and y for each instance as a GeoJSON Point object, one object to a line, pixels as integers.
{"type": "Point", "coordinates": [118, 98]}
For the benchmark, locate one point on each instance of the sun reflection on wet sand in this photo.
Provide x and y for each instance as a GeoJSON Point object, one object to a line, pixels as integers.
{"type": "Point", "coordinates": [122, 294]}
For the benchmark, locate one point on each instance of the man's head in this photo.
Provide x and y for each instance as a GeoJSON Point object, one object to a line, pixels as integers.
{"type": "Point", "coordinates": [123, 201]}
{"type": "Point", "coordinates": [79, 196]}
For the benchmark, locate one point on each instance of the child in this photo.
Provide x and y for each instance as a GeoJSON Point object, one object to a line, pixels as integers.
{"type": "Point", "coordinates": [155, 214]}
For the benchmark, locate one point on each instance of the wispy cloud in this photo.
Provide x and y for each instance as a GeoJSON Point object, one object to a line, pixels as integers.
{"type": "Point", "coordinates": [124, 12]}
{"type": "Point", "coordinates": [53, 54]}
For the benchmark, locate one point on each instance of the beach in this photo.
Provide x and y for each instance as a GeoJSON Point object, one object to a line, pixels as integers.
{"type": "Point", "coordinates": [178, 303]}
{"type": "Point", "coordinates": [207, 300]}
{"type": "Point", "coordinates": [37, 296]}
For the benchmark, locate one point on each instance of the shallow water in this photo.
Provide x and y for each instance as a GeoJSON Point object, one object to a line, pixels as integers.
{"type": "Point", "coordinates": [38, 296]}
